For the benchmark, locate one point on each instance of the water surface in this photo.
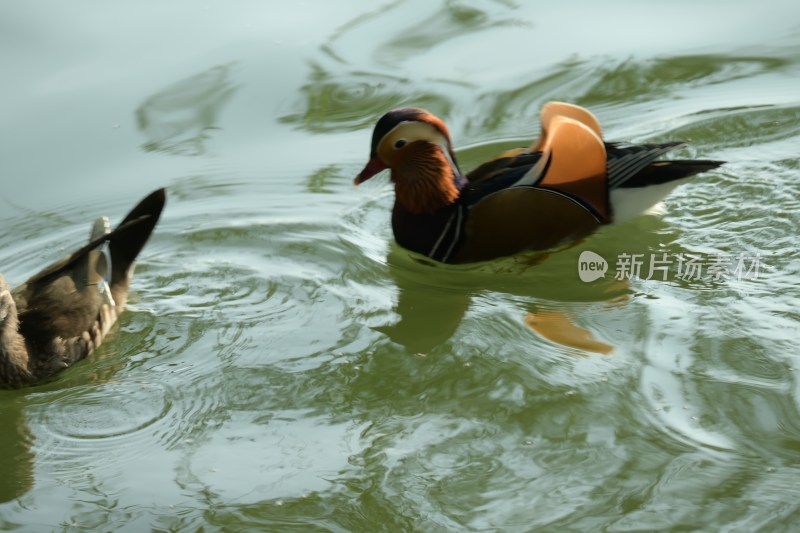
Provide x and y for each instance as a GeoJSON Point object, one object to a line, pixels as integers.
{"type": "Point", "coordinates": [284, 366]}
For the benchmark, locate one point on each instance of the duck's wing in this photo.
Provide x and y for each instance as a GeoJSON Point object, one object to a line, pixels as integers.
{"type": "Point", "coordinates": [561, 190]}
{"type": "Point", "coordinates": [551, 110]}
{"type": "Point", "coordinates": [503, 168]}
{"type": "Point", "coordinates": [572, 161]}
{"type": "Point", "coordinates": [517, 158]}
{"type": "Point", "coordinates": [13, 352]}
{"type": "Point", "coordinates": [66, 310]}
{"type": "Point", "coordinates": [519, 219]}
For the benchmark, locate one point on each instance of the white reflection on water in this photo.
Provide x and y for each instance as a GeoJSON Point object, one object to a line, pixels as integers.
{"type": "Point", "coordinates": [289, 454]}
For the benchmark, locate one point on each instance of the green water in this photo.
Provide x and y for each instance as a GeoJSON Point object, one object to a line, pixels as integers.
{"type": "Point", "coordinates": [284, 366]}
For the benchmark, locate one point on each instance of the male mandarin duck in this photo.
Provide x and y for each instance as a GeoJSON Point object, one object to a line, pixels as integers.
{"type": "Point", "coordinates": [60, 315]}
{"type": "Point", "coordinates": [565, 186]}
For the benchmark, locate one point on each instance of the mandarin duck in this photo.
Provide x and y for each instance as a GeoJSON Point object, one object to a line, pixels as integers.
{"type": "Point", "coordinates": [60, 315]}
{"type": "Point", "coordinates": [562, 188]}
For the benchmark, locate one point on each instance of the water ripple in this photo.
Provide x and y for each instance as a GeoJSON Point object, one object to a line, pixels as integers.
{"type": "Point", "coordinates": [284, 365]}
{"type": "Point", "coordinates": [113, 422]}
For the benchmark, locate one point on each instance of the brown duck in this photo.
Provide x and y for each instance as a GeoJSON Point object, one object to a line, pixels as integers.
{"type": "Point", "coordinates": [60, 315]}
{"type": "Point", "coordinates": [565, 186]}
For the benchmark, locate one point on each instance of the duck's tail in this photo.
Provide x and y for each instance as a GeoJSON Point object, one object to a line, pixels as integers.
{"type": "Point", "coordinates": [128, 239]}
{"type": "Point", "coordinates": [666, 171]}
{"type": "Point", "coordinates": [638, 165]}
{"type": "Point", "coordinates": [120, 247]}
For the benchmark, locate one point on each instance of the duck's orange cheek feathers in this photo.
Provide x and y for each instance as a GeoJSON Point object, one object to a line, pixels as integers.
{"type": "Point", "coordinates": [374, 166]}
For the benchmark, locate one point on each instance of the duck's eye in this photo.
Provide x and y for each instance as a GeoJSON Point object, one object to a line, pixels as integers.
{"type": "Point", "coordinates": [399, 143]}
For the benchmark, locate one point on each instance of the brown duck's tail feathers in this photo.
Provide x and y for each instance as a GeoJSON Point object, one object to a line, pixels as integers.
{"type": "Point", "coordinates": [128, 239]}
{"type": "Point", "coordinates": [99, 228]}
{"type": "Point", "coordinates": [124, 243]}
{"type": "Point", "coordinates": [75, 348]}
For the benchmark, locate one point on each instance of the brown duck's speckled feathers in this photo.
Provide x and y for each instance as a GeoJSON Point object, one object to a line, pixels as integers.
{"type": "Point", "coordinates": [563, 187]}
{"type": "Point", "coordinates": [64, 312]}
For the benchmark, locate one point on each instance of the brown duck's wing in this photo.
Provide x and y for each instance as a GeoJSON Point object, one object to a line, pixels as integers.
{"type": "Point", "coordinates": [66, 310]}
{"type": "Point", "coordinates": [511, 162]}
{"type": "Point", "coordinates": [63, 303]}
{"type": "Point", "coordinates": [64, 325]}
{"type": "Point", "coordinates": [551, 110]}
{"type": "Point", "coordinates": [519, 157]}
{"type": "Point", "coordinates": [69, 262]}
{"type": "Point", "coordinates": [523, 218]}
{"type": "Point", "coordinates": [574, 162]}
{"type": "Point", "coordinates": [516, 157]}
{"type": "Point", "coordinates": [125, 242]}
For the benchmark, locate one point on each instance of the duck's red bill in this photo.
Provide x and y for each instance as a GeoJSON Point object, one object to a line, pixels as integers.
{"type": "Point", "coordinates": [374, 166]}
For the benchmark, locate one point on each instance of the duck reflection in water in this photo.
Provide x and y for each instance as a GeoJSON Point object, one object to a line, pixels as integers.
{"type": "Point", "coordinates": [16, 441]}
{"type": "Point", "coordinates": [430, 312]}
{"type": "Point", "coordinates": [177, 119]}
